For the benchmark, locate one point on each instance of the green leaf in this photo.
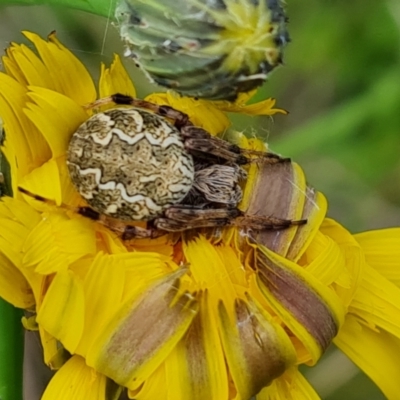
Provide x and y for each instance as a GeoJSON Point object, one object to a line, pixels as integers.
{"type": "Point", "coordinates": [105, 8]}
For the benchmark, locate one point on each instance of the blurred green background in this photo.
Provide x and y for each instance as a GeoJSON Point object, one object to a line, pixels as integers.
{"type": "Point", "coordinates": [341, 84]}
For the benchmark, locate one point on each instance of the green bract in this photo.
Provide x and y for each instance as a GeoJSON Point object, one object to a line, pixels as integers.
{"type": "Point", "coordinates": [212, 49]}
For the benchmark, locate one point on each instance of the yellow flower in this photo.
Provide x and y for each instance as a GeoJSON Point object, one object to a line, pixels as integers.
{"type": "Point", "coordinates": [211, 315]}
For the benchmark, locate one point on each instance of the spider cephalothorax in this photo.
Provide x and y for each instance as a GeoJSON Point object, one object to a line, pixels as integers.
{"type": "Point", "coordinates": [149, 163]}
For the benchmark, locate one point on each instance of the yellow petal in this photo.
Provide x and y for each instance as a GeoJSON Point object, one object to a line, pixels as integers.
{"type": "Point", "coordinates": [43, 181]}
{"type": "Point", "coordinates": [201, 113]}
{"type": "Point", "coordinates": [54, 355]}
{"type": "Point", "coordinates": [51, 181]}
{"type": "Point", "coordinates": [290, 386]}
{"type": "Point", "coordinates": [141, 268]}
{"type": "Point", "coordinates": [257, 349]}
{"type": "Point", "coordinates": [375, 352]}
{"type": "Point", "coordinates": [200, 359]}
{"type": "Point", "coordinates": [62, 311]}
{"type": "Point", "coordinates": [29, 323]}
{"type": "Point", "coordinates": [14, 288]}
{"type": "Point", "coordinates": [24, 147]}
{"type": "Point", "coordinates": [103, 285]}
{"type": "Point", "coordinates": [209, 270]}
{"type": "Point", "coordinates": [353, 254]}
{"type": "Point", "coordinates": [382, 251]}
{"type": "Point", "coordinates": [56, 116]}
{"type": "Point", "coordinates": [314, 211]}
{"type": "Point", "coordinates": [109, 241]}
{"type": "Point", "coordinates": [115, 80]}
{"type": "Point", "coordinates": [312, 311]}
{"type": "Point", "coordinates": [279, 190]}
{"type": "Point", "coordinates": [26, 67]}
{"type": "Point", "coordinates": [150, 389]}
{"type": "Point", "coordinates": [18, 210]}
{"type": "Point", "coordinates": [264, 107]}
{"type": "Point", "coordinates": [111, 281]}
{"type": "Point", "coordinates": [69, 75]}
{"type": "Point", "coordinates": [161, 245]}
{"type": "Point", "coordinates": [57, 241]}
{"type": "Point", "coordinates": [20, 284]}
{"type": "Point", "coordinates": [232, 267]}
{"type": "Point", "coordinates": [75, 380]}
{"type": "Point", "coordinates": [11, 67]}
{"type": "Point", "coordinates": [268, 196]}
{"type": "Point", "coordinates": [17, 219]}
{"type": "Point", "coordinates": [325, 260]}
{"type": "Point", "coordinates": [143, 332]}
{"type": "Point", "coordinates": [377, 301]}
{"type": "Point", "coordinates": [11, 238]}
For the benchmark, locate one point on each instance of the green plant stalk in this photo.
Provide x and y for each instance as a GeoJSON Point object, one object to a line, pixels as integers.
{"type": "Point", "coordinates": [11, 352]}
{"type": "Point", "coordinates": [11, 331]}
{"type": "Point", "coordinates": [104, 8]}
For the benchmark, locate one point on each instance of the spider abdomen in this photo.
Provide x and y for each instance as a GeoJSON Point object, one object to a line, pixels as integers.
{"type": "Point", "coordinates": [130, 164]}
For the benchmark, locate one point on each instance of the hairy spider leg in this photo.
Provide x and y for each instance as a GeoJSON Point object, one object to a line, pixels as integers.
{"type": "Point", "coordinates": [119, 227]}
{"type": "Point", "coordinates": [186, 218]}
{"type": "Point", "coordinates": [199, 140]}
{"type": "Point", "coordinates": [179, 118]}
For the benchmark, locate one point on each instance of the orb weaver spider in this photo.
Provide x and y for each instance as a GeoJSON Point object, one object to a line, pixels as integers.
{"type": "Point", "coordinates": [148, 162]}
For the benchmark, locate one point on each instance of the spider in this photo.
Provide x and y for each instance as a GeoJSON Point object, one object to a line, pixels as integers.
{"type": "Point", "coordinates": [148, 162]}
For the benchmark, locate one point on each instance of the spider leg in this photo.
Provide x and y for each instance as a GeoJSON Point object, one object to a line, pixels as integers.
{"type": "Point", "coordinates": [170, 225]}
{"type": "Point", "coordinates": [179, 219]}
{"type": "Point", "coordinates": [186, 214]}
{"type": "Point", "coordinates": [202, 144]}
{"type": "Point", "coordinates": [125, 231]}
{"type": "Point", "coordinates": [179, 118]}
{"type": "Point", "coordinates": [266, 223]}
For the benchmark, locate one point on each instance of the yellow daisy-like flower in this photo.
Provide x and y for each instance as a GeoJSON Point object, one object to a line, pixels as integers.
{"type": "Point", "coordinates": [212, 315]}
